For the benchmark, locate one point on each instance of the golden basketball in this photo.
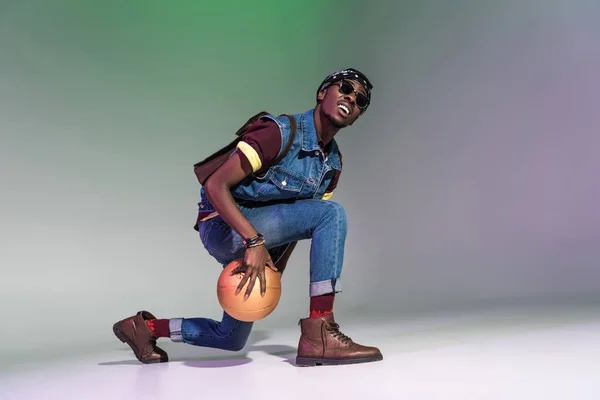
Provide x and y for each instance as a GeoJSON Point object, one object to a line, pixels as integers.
{"type": "Point", "coordinates": [254, 308]}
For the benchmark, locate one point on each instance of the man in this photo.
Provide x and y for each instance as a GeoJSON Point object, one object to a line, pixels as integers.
{"type": "Point", "coordinates": [257, 207]}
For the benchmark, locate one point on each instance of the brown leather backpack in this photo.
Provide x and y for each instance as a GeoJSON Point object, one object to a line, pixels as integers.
{"type": "Point", "coordinates": [205, 168]}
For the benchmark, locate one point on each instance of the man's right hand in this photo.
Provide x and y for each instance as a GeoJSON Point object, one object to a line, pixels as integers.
{"type": "Point", "coordinates": [255, 261]}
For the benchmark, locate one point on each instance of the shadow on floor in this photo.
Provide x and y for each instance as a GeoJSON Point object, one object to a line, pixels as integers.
{"type": "Point", "coordinates": [200, 357]}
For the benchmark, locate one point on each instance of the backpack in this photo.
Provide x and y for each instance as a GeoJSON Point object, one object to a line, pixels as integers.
{"type": "Point", "coordinates": [205, 168]}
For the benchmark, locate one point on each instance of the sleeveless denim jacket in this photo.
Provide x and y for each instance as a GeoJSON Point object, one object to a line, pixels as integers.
{"type": "Point", "coordinates": [304, 173]}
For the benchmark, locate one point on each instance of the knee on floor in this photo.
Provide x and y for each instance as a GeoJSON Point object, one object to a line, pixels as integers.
{"type": "Point", "coordinates": [236, 344]}
{"type": "Point", "coordinates": [231, 343]}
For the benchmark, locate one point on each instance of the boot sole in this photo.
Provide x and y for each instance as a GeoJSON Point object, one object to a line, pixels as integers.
{"type": "Point", "coordinates": [315, 361]}
{"type": "Point", "coordinates": [123, 338]}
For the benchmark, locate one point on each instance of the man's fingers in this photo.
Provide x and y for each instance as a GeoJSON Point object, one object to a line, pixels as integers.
{"type": "Point", "coordinates": [244, 279]}
{"type": "Point", "coordinates": [263, 282]}
{"type": "Point", "coordinates": [242, 283]}
{"type": "Point", "coordinates": [271, 265]}
{"type": "Point", "coordinates": [242, 268]}
{"type": "Point", "coordinates": [238, 270]}
{"type": "Point", "coordinates": [250, 285]}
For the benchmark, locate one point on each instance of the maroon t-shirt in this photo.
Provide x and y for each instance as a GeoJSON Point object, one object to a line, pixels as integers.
{"type": "Point", "coordinates": [265, 138]}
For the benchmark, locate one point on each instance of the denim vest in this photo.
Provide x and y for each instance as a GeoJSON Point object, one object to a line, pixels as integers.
{"type": "Point", "coordinates": [304, 173]}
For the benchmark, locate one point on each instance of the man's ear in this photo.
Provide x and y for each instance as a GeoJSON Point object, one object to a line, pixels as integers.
{"type": "Point", "coordinates": [321, 95]}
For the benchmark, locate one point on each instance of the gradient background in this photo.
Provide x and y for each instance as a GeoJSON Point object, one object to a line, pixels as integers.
{"type": "Point", "coordinates": [472, 180]}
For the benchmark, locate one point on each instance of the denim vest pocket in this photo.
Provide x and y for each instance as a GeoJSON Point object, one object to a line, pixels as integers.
{"type": "Point", "coordinates": [286, 180]}
{"type": "Point", "coordinates": [279, 184]}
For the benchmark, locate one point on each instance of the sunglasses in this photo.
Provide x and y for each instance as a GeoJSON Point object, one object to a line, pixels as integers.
{"type": "Point", "coordinates": [361, 100]}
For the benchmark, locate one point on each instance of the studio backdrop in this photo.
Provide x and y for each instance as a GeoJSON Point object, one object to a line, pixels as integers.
{"type": "Point", "coordinates": [472, 179]}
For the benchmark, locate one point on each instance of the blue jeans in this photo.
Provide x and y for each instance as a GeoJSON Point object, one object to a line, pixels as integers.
{"type": "Point", "coordinates": [324, 222]}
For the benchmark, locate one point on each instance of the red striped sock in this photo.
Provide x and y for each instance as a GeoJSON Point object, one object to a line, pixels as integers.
{"type": "Point", "coordinates": [320, 306]}
{"type": "Point", "coordinates": [159, 327]}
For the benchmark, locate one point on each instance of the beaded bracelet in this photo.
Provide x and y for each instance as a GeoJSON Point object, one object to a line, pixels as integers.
{"type": "Point", "coordinates": [259, 243]}
{"type": "Point", "coordinates": [254, 241]}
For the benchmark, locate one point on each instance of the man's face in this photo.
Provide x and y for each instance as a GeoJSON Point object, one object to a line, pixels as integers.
{"type": "Point", "coordinates": [339, 102]}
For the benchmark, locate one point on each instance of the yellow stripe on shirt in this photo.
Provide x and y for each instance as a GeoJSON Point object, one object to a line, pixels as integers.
{"type": "Point", "coordinates": [251, 155]}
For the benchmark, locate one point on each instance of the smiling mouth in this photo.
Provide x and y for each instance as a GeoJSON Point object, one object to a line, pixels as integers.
{"type": "Point", "coordinates": [345, 110]}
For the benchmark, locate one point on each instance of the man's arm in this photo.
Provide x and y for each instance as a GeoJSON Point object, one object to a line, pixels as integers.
{"type": "Point", "coordinates": [257, 151]}
{"type": "Point", "coordinates": [244, 161]}
{"type": "Point", "coordinates": [218, 190]}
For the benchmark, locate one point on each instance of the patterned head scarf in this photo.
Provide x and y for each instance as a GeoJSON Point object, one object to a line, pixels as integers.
{"type": "Point", "coordinates": [350, 74]}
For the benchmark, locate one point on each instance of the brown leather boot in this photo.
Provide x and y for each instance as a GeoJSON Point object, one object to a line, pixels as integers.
{"type": "Point", "coordinates": [322, 343]}
{"type": "Point", "coordinates": [139, 337]}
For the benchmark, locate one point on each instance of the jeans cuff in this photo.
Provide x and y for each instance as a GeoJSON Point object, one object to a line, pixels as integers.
{"type": "Point", "coordinates": [325, 287]}
{"type": "Point", "coordinates": [175, 329]}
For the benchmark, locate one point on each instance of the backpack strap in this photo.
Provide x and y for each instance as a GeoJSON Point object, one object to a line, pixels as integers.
{"type": "Point", "coordinates": [205, 168]}
{"type": "Point", "coordinates": [244, 128]}
{"type": "Point", "coordinates": [290, 141]}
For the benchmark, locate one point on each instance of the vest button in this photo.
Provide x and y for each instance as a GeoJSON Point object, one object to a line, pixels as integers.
{"type": "Point", "coordinates": [310, 179]}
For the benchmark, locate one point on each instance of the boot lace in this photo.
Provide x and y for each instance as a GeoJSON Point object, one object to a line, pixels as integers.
{"type": "Point", "coordinates": [334, 330]}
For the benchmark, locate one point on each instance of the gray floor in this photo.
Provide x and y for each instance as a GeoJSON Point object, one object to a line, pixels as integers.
{"type": "Point", "coordinates": [501, 353]}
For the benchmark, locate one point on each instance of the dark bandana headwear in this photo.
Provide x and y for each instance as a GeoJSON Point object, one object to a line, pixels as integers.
{"type": "Point", "coordinates": [350, 74]}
